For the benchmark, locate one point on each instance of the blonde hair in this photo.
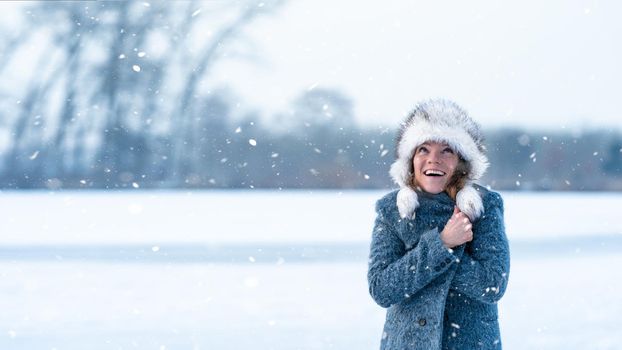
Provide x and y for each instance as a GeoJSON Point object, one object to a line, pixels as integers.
{"type": "Point", "coordinates": [456, 183]}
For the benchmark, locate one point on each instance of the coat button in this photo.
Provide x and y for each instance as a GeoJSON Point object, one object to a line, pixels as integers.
{"type": "Point", "coordinates": [422, 322]}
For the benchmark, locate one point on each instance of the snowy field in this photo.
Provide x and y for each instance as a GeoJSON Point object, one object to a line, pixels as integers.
{"type": "Point", "coordinates": [275, 270]}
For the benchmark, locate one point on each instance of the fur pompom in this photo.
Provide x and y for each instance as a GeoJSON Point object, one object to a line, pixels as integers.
{"type": "Point", "coordinates": [407, 202]}
{"type": "Point", "coordinates": [470, 202]}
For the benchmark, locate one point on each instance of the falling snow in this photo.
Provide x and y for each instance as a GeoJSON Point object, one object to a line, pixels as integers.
{"type": "Point", "coordinates": [523, 140]}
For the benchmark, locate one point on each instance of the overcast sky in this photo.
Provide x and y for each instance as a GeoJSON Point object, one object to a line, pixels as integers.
{"type": "Point", "coordinates": [551, 64]}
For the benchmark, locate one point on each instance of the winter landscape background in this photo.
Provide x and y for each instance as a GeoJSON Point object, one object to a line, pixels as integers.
{"type": "Point", "coordinates": [218, 94]}
{"type": "Point", "coordinates": [202, 174]}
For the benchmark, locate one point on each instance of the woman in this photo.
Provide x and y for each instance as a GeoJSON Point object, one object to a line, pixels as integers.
{"type": "Point", "coordinates": [439, 257]}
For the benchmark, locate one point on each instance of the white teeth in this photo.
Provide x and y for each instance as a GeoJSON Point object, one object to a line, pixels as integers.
{"type": "Point", "coordinates": [434, 172]}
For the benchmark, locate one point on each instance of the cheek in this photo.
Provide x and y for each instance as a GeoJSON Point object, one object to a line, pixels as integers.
{"type": "Point", "coordinates": [452, 166]}
{"type": "Point", "coordinates": [450, 174]}
{"type": "Point", "coordinates": [415, 164]}
{"type": "Point", "coordinates": [417, 170]}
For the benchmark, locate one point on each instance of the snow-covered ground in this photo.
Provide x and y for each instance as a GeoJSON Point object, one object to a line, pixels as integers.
{"type": "Point", "coordinates": [265, 216]}
{"type": "Point", "coordinates": [274, 270]}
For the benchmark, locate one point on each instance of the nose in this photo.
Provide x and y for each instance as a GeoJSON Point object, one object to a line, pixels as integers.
{"type": "Point", "coordinates": [434, 157]}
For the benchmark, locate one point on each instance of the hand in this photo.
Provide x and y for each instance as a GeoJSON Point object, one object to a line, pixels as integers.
{"type": "Point", "coordinates": [458, 230]}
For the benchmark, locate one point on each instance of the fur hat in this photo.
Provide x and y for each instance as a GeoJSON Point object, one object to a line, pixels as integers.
{"type": "Point", "coordinates": [441, 121]}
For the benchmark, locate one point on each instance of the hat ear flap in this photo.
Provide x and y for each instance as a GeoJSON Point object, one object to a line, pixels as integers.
{"type": "Point", "coordinates": [400, 171]}
{"type": "Point", "coordinates": [470, 202]}
{"type": "Point", "coordinates": [407, 202]}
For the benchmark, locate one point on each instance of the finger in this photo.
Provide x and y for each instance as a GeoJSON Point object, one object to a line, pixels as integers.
{"type": "Point", "coordinates": [456, 210]}
{"type": "Point", "coordinates": [469, 236]}
{"type": "Point", "coordinates": [468, 227]}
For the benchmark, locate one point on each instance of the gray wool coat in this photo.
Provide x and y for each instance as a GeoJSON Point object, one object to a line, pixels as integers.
{"type": "Point", "coordinates": [438, 298]}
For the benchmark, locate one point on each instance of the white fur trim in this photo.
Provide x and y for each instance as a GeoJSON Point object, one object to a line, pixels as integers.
{"type": "Point", "coordinates": [400, 172]}
{"type": "Point", "coordinates": [407, 202]}
{"type": "Point", "coordinates": [469, 202]}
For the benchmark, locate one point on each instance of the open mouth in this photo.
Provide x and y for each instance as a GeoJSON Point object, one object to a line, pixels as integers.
{"type": "Point", "coordinates": [433, 172]}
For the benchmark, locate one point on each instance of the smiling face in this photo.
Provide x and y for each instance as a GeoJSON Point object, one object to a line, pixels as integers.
{"type": "Point", "coordinates": [433, 166]}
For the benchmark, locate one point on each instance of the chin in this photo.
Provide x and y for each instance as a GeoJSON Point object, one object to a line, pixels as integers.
{"type": "Point", "coordinates": [431, 185]}
{"type": "Point", "coordinates": [432, 190]}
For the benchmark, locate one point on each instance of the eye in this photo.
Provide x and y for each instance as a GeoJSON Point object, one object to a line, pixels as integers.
{"type": "Point", "coordinates": [448, 150]}
{"type": "Point", "coordinates": [422, 149]}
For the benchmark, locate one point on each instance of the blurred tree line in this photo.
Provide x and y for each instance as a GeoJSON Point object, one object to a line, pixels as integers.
{"type": "Point", "coordinates": [117, 100]}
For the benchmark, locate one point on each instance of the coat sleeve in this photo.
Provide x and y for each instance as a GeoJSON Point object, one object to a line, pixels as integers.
{"type": "Point", "coordinates": [395, 273]}
{"type": "Point", "coordinates": [484, 268]}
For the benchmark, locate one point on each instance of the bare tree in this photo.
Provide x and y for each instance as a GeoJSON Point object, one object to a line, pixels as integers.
{"type": "Point", "coordinates": [125, 107]}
